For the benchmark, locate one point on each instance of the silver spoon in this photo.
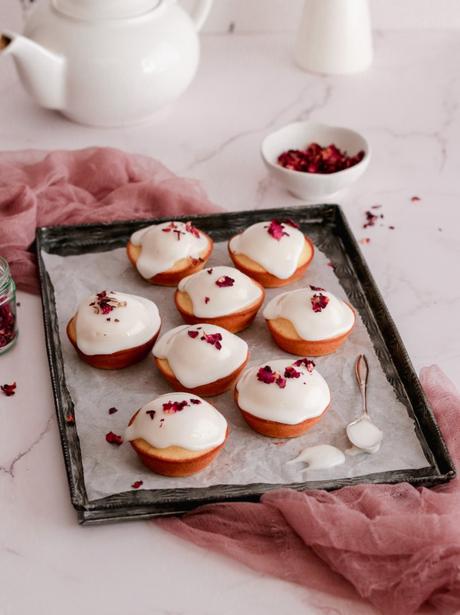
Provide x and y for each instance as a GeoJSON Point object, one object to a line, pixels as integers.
{"type": "Point", "coordinates": [362, 432]}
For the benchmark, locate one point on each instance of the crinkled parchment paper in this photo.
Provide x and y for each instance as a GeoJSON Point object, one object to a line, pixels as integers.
{"type": "Point", "coordinates": [247, 457]}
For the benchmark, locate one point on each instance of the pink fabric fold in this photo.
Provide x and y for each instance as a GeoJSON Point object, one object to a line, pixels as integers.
{"type": "Point", "coordinates": [396, 545]}
{"type": "Point", "coordinates": [82, 186]}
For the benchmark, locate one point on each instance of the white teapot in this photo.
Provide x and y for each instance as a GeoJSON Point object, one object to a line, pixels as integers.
{"type": "Point", "coordinates": [107, 62]}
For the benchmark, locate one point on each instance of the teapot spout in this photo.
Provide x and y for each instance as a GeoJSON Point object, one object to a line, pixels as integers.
{"type": "Point", "coordinates": [41, 71]}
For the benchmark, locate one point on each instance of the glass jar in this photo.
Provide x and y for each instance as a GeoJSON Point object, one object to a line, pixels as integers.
{"type": "Point", "coordinates": [8, 321]}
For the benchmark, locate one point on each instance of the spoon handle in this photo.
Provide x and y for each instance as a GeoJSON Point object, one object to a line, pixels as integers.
{"type": "Point", "coordinates": [362, 375]}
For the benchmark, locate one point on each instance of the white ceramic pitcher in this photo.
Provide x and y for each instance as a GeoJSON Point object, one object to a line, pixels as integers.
{"type": "Point", "coordinates": [334, 37]}
{"type": "Point", "coordinates": [107, 62]}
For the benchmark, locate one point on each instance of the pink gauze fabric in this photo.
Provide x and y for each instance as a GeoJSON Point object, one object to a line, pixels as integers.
{"type": "Point", "coordinates": [395, 545]}
{"type": "Point", "coordinates": [82, 186]}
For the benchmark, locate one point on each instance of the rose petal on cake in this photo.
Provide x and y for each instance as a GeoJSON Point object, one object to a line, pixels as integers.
{"type": "Point", "coordinates": [112, 410]}
{"type": "Point", "coordinates": [266, 374]}
{"type": "Point", "coordinates": [192, 229]}
{"type": "Point", "coordinates": [280, 381]}
{"type": "Point", "coordinates": [214, 339]}
{"type": "Point", "coordinates": [276, 229]}
{"type": "Point", "coordinates": [193, 334]}
{"type": "Point", "coordinates": [151, 413]}
{"type": "Point", "coordinates": [137, 484]}
{"type": "Point", "coordinates": [307, 363]}
{"type": "Point", "coordinates": [224, 281]}
{"type": "Point", "coordinates": [291, 372]}
{"type": "Point", "coordinates": [319, 302]}
{"type": "Point", "coordinates": [171, 407]}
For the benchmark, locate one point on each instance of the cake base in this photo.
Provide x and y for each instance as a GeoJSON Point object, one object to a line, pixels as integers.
{"type": "Point", "coordinates": [205, 390]}
{"type": "Point", "coordinates": [232, 322]}
{"type": "Point", "coordinates": [116, 360]}
{"type": "Point", "coordinates": [181, 268]}
{"type": "Point", "coordinates": [268, 280]}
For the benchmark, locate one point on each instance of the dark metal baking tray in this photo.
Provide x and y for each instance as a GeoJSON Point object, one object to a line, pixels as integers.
{"type": "Point", "coordinates": [327, 226]}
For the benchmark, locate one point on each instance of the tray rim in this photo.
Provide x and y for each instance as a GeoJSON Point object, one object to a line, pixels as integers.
{"type": "Point", "coordinates": [109, 509]}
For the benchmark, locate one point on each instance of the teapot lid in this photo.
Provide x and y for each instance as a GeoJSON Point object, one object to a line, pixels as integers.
{"type": "Point", "coordinates": [104, 9]}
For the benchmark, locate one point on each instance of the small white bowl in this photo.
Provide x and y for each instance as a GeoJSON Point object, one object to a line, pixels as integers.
{"type": "Point", "coordinates": [314, 186]}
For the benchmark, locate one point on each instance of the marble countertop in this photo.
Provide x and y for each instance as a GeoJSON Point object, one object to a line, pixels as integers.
{"type": "Point", "coordinates": [247, 85]}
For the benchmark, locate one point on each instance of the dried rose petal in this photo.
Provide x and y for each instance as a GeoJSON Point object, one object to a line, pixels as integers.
{"type": "Point", "coordinates": [318, 288]}
{"type": "Point", "coordinates": [371, 219]}
{"type": "Point", "coordinates": [365, 240]}
{"type": "Point", "coordinates": [391, 227]}
{"type": "Point", "coordinates": [113, 438]}
{"type": "Point", "coordinates": [7, 323]}
{"type": "Point", "coordinates": [9, 389]}
{"type": "Point", "coordinates": [307, 363]}
{"type": "Point", "coordinates": [104, 303]}
{"type": "Point", "coordinates": [195, 401]}
{"type": "Point", "coordinates": [291, 372]}
{"type": "Point", "coordinates": [214, 339]}
{"type": "Point", "coordinates": [171, 407]}
{"type": "Point", "coordinates": [207, 300]}
{"type": "Point", "coordinates": [276, 230]}
{"type": "Point", "coordinates": [415, 199]}
{"type": "Point", "coordinates": [193, 334]}
{"type": "Point", "coordinates": [319, 302]}
{"type": "Point", "coordinates": [210, 270]}
{"type": "Point", "coordinates": [169, 228]}
{"type": "Point", "coordinates": [192, 229]}
{"type": "Point", "coordinates": [151, 413]}
{"type": "Point", "coordinates": [266, 374]}
{"type": "Point", "coordinates": [291, 222]}
{"type": "Point", "coordinates": [317, 159]}
{"type": "Point", "coordinates": [137, 484]}
{"type": "Point", "coordinates": [113, 410]}
{"type": "Point", "coordinates": [281, 382]}
{"type": "Point", "coordinates": [224, 280]}
{"type": "Point", "coordinates": [70, 420]}
{"type": "Point", "coordinates": [376, 206]}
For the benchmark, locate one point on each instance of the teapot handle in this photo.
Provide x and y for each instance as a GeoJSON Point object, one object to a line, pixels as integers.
{"type": "Point", "coordinates": [200, 12]}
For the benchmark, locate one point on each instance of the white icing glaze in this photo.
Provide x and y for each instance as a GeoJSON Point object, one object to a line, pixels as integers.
{"type": "Point", "coordinates": [160, 250]}
{"type": "Point", "coordinates": [295, 305]}
{"type": "Point", "coordinates": [196, 427]}
{"type": "Point", "coordinates": [280, 257]}
{"type": "Point", "coordinates": [97, 333]}
{"type": "Point", "coordinates": [194, 361]}
{"type": "Point", "coordinates": [222, 300]}
{"type": "Point", "coordinates": [365, 435]}
{"type": "Point", "coordinates": [320, 457]}
{"type": "Point", "coordinates": [302, 398]}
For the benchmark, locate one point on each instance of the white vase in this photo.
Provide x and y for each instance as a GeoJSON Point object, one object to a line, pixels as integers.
{"type": "Point", "coordinates": [334, 37]}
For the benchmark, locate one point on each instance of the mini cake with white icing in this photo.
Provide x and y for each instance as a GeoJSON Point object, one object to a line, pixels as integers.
{"type": "Point", "coordinates": [274, 253]}
{"type": "Point", "coordinates": [282, 398]}
{"type": "Point", "coordinates": [201, 359]}
{"type": "Point", "coordinates": [165, 253]}
{"type": "Point", "coordinates": [221, 296]}
{"type": "Point", "coordinates": [111, 329]}
{"type": "Point", "coordinates": [177, 434]}
{"type": "Point", "coordinates": [309, 321]}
